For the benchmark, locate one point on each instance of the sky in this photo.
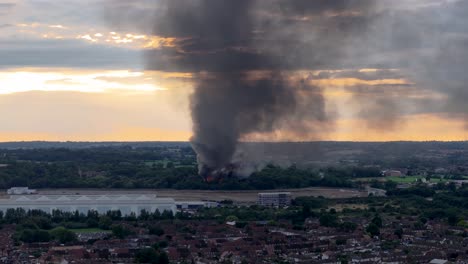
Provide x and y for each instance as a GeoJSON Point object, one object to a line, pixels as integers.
{"type": "Point", "coordinates": [112, 70]}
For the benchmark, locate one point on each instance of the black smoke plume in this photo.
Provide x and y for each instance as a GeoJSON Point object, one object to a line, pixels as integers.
{"type": "Point", "coordinates": [242, 54]}
{"type": "Point", "coordinates": [240, 86]}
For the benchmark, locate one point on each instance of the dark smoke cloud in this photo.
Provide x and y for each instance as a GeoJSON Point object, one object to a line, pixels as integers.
{"type": "Point", "coordinates": [239, 58]}
{"type": "Point", "coordinates": [242, 53]}
{"type": "Point", "coordinates": [226, 107]}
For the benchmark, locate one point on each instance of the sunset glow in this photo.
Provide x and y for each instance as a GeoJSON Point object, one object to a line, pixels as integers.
{"type": "Point", "coordinates": [97, 71]}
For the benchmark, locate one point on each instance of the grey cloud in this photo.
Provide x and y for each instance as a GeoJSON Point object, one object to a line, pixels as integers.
{"type": "Point", "coordinates": [7, 5]}
{"type": "Point", "coordinates": [5, 8]}
{"type": "Point", "coordinates": [65, 53]}
{"type": "Point", "coordinates": [318, 7]}
{"type": "Point", "coordinates": [435, 40]}
{"type": "Point", "coordinates": [378, 74]}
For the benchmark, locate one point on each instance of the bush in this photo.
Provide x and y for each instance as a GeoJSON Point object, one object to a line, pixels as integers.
{"type": "Point", "coordinates": [163, 244]}
{"type": "Point", "coordinates": [329, 220]}
{"type": "Point", "coordinates": [156, 230]}
{"type": "Point", "coordinates": [120, 231]}
{"type": "Point", "coordinates": [105, 222]}
{"type": "Point", "coordinates": [147, 255]}
{"type": "Point", "coordinates": [373, 229]}
{"type": "Point", "coordinates": [63, 235]}
{"type": "Point", "coordinates": [241, 224]}
{"type": "Point", "coordinates": [32, 236]}
{"type": "Point", "coordinates": [348, 227]}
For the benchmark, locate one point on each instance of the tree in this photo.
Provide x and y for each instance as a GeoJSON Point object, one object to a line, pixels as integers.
{"type": "Point", "coordinates": [241, 224]}
{"type": "Point", "coordinates": [144, 215]}
{"type": "Point", "coordinates": [306, 211]}
{"type": "Point", "coordinates": [156, 230]}
{"type": "Point", "coordinates": [92, 223]}
{"type": "Point", "coordinates": [170, 165]}
{"type": "Point", "coordinates": [105, 222]}
{"type": "Point", "coordinates": [452, 218]}
{"type": "Point", "coordinates": [232, 218]}
{"type": "Point", "coordinates": [348, 226]}
{"type": "Point", "coordinates": [166, 214]}
{"type": "Point", "coordinates": [163, 244]}
{"type": "Point", "coordinates": [163, 258]}
{"type": "Point", "coordinates": [120, 231]}
{"type": "Point", "coordinates": [15, 215]}
{"type": "Point", "coordinates": [147, 255]}
{"type": "Point", "coordinates": [32, 236]}
{"type": "Point", "coordinates": [329, 220]}
{"type": "Point", "coordinates": [63, 235]}
{"type": "Point", "coordinates": [377, 221]}
{"type": "Point", "coordinates": [340, 241]}
{"type": "Point", "coordinates": [373, 229]}
{"type": "Point", "coordinates": [399, 232]}
{"type": "Point", "coordinates": [114, 214]}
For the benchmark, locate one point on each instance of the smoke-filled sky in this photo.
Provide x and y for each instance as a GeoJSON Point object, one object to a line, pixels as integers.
{"type": "Point", "coordinates": [365, 70]}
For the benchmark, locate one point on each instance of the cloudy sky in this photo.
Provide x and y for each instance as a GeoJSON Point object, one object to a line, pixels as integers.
{"type": "Point", "coordinates": [113, 70]}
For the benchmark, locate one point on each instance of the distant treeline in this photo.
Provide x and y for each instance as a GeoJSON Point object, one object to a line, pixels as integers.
{"type": "Point", "coordinates": [398, 154]}
{"type": "Point", "coordinates": [136, 175]}
{"type": "Point", "coordinates": [173, 164]}
{"type": "Point", "coordinates": [157, 167]}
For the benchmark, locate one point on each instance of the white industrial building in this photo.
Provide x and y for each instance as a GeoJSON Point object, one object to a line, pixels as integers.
{"type": "Point", "coordinates": [21, 190]}
{"type": "Point", "coordinates": [126, 203]}
{"type": "Point", "coordinates": [274, 199]}
{"type": "Point", "coordinates": [195, 205]}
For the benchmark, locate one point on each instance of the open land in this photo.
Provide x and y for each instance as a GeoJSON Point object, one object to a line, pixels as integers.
{"type": "Point", "coordinates": [218, 195]}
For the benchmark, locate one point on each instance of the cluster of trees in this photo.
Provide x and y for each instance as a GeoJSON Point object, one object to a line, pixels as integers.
{"type": "Point", "coordinates": [446, 202]}
{"type": "Point", "coordinates": [162, 166]}
{"type": "Point", "coordinates": [96, 168]}
{"type": "Point", "coordinates": [173, 165]}
{"type": "Point", "coordinates": [374, 226]}
{"type": "Point", "coordinates": [38, 226]}
{"type": "Point", "coordinates": [158, 167]}
{"type": "Point", "coordinates": [152, 255]}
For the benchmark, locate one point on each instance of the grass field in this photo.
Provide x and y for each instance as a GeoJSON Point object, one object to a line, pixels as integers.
{"type": "Point", "coordinates": [156, 162]}
{"type": "Point", "coordinates": [165, 162]}
{"type": "Point", "coordinates": [380, 179]}
{"type": "Point", "coordinates": [406, 179]}
{"type": "Point", "coordinates": [90, 230]}
{"type": "Point", "coordinates": [412, 179]}
{"type": "Point", "coordinates": [400, 180]}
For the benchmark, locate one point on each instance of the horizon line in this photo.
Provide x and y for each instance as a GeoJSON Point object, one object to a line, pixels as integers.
{"type": "Point", "coordinates": [188, 141]}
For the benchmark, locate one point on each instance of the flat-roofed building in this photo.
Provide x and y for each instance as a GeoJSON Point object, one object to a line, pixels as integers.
{"type": "Point", "coordinates": [126, 203]}
{"type": "Point", "coordinates": [274, 199]}
{"type": "Point", "coordinates": [20, 190]}
{"type": "Point", "coordinates": [194, 205]}
{"type": "Point", "coordinates": [376, 192]}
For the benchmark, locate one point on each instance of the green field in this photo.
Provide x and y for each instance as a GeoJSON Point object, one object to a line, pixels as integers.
{"type": "Point", "coordinates": [156, 162]}
{"type": "Point", "coordinates": [411, 179]}
{"type": "Point", "coordinates": [404, 179]}
{"type": "Point", "coordinates": [165, 162]}
{"type": "Point", "coordinates": [90, 230]}
{"type": "Point", "coordinates": [380, 179]}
